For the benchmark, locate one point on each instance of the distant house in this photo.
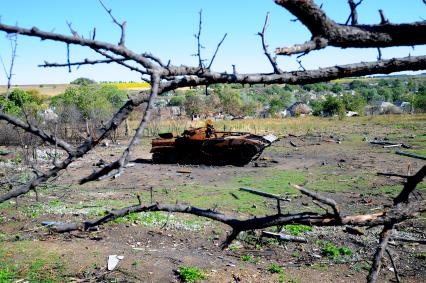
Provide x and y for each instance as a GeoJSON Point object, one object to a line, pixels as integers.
{"type": "Point", "coordinates": [299, 108]}
{"type": "Point", "coordinates": [264, 113]}
{"type": "Point", "coordinates": [49, 115]}
{"type": "Point", "coordinates": [169, 112]}
{"type": "Point", "coordinates": [405, 106]}
{"type": "Point", "coordinates": [383, 107]}
{"type": "Point", "coordinates": [389, 108]}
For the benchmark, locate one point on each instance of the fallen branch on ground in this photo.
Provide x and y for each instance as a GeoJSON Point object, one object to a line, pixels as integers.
{"type": "Point", "coordinates": [284, 237]}
{"type": "Point", "coordinates": [411, 155]}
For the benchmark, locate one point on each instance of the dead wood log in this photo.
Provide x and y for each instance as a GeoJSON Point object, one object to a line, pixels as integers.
{"type": "Point", "coordinates": [263, 194]}
{"type": "Point", "coordinates": [377, 262]}
{"type": "Point", "coordinates": [284, 237]}
{"type": "Point", "coordinates": [395, 270]}
{"type": "Point", "coordinates": [293, 144]}
{"type": "Point", "coordinates": [408, 240]}
{"type": "Point", "coordinates": [411, 155]}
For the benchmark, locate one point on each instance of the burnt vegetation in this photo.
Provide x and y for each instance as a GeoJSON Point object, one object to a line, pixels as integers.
{"type": "Point", "coordinates": [165, 77]}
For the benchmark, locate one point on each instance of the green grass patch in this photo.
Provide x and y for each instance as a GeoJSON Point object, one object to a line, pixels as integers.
{"type": "Point", "coordinates": [332, 251]}
{"type": "Point", "coordinates": [275, 268]}
{"type": "Point", "coordinates": [158, 219]}
{"type": "Point", "coordinates": [38, 265]}
{"type": "Point", "coordinates": [247, 258]}
{"type": "Point", "coordinates": [297, 229]}
{"type": "Point", "coordinates": [222, 196]}
{"type": "Point", "coordinates": [328, 179]}
{"type": "Point", "coordinates": [191, 274]}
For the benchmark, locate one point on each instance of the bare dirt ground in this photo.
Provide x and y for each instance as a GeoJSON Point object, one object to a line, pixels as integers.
{"type": "Point", "coordinates": [155, 245]}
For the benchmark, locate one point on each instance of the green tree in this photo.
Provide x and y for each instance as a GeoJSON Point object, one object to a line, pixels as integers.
{"type": "Point", "coordinates": [386, 93]}
{"type": "Point", "coordinates": [420, 101]}
{"type": "Point", "coordinates": [357, 85]}
{"type": "Point", "coordinates": [317, 107]}
{"type": "Point", "coordinates": [194, 104]}
{"type": "Point", "coordinates": [20, 101]}
{"type": "Point", "coordinates": [337, 88]}
{"type": "Point", "coordinates": [83, 81]}
{"type": "Point", "coordinates": [177, 100]}
{"type": "Point", "coordinates": [354, 103]}
{"type": "Point", "coordinates": [92, 101]}
{"type": "Point", "coordinates": [231, 101]}
{"type": "Point", "coordinates": [333, 106]}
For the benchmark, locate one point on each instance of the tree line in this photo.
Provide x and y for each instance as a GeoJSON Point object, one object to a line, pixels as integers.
{"type": "Point", "coordinates": [325, 99]}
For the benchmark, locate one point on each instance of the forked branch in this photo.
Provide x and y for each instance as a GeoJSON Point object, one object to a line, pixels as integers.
{"type": "Point", "coordinates": [325, 32]}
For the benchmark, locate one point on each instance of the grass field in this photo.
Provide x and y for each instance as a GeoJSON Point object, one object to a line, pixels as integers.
{"type": "Point", "coordinates": [55, 89]}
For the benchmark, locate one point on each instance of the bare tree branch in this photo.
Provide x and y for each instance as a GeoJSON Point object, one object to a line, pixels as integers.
{"type": "Point", "coordinates": [383, 20]}
{"type": "Point", "coordinates": [217, 49]}
{"type": "Point", "coordinates": [118, 50]}
{"type": "Point", "coordinates": [13, 39]}
{"type": "Point", "coordinates": [354, 14]}
{"type": "Point", "coordinates": [321, 199]}
{"type": "Point", "coordinates": [388, 219]}
{"type": "Point", "coordinates": [81, 150]}
{"type": "Point", "coordinates": [395, 271]}
{"type": "Point", "coordinates": [302, 77]}
{"type": "Point", "coordinates": [409, 186]}
{"type": "Point", "coordinates": [122, 26]}
{"type": "Point", "coordinates": [272, 60]}
{"type": "Point", "coordinates": [28, 127]}
{"type": "Point", "coordinates": [85, 62]}
{"type": "Point", "coordinates": [377, 262]}
{"type": "Point", "coordinates": [326, 32]}
{"type": "Point", "coordinates": [198, 37]}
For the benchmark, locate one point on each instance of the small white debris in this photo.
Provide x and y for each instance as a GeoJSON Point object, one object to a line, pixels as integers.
{"type": "Point", "coordinates": [113, 261]}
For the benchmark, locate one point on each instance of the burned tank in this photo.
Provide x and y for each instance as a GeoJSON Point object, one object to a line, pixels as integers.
{"type": "Point", "coordinates": [207, 146]}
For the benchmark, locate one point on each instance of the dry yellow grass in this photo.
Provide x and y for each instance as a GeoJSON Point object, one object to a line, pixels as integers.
{"type": "Point", "coordinates": [55, 89]}
{"type": "Point", "coordinates": [44, 89]}
{"type": "Point", "coordinates": [299, 125]}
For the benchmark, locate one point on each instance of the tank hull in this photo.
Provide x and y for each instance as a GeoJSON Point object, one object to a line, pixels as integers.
{"type": "Point", "coordinates": [201, 146]}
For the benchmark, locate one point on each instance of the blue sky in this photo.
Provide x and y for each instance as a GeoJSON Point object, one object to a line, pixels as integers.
{"type": "Point", "coordinates": [166, 28]}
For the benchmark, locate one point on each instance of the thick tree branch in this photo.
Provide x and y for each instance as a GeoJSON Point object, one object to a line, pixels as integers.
{"type": "Point", "coordinates": [52, 139]}
{"type": "Point", "coordinates": [329, 33]}
{"type": "Point", "coordinates": [302, 77]}
{"type": "Point", "coordinates": [409, 186]}
{"type": "Point", "coordinates": [315, 196]}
